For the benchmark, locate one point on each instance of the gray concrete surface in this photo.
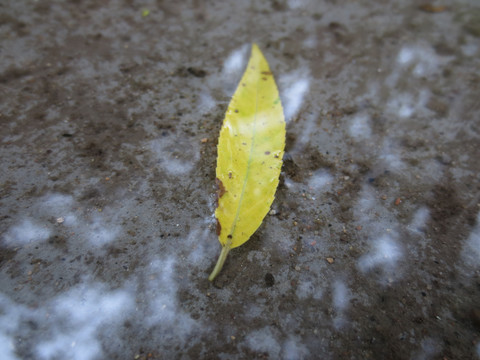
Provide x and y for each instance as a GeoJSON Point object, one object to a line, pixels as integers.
{"type": "Point", "coordinates": [110, 113]}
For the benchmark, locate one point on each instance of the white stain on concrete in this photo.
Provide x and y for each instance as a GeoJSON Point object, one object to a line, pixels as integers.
{"type": "Point", "coordinates": [320, 180]}
{"type": "Point", "coordinates": [25, 232]}
{"type": "Point", "coordinates": [294, 87]}
{"type": "Point", "coordinates": [264, 340]}
{"type": "Point", "coordinates": [385, 252]}
{"type": "Point", "coordinates": [471, 247]}
{"type": "Point", "coordinates": [76, 317]}
{"type": "Point", "coordinates": [360, 127]}
{"type": "Point", "coordinates": [341, 299]}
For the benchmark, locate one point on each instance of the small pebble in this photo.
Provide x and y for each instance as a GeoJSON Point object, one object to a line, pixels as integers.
{"type": "Point", "coordinates": [330, 260]}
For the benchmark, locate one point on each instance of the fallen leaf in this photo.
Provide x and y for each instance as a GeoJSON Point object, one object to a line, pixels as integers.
{"type": "Point", "coordinates": [250, 151]}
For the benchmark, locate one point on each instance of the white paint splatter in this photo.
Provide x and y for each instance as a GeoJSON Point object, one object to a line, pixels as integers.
{"type": "Point", "coordinates": [289, 183]}
{"type": "Point", "coordinates": [469, 49]}
{"type": "Point", "coordinates": [385, 253]}
{"type": "Point", "coordinates": [75, 318]}
{"type": "Point", "coordinates": [197, 242]}
{"type": "Point", "coordinates": [293, 87]}
{"type": "Point", "coordinates": [360, 128]}
{"type": "Point", "coordinates": [471, 248]}
{"type": "Point", "coordinates": [235, 62]}
{"type": "Point", "coordinates": [102, 230]}
{"type": "Point", "coordinates": [310, 42]}
{"type": "Point", "coordinates": [419, 220]}
{"type": "Point", "coordinates": [205, 104]}
{"type": "Point", "coordinates": [391, 156]}
{"type": "Point", "coordinates": [162, 311]}
{"type": "Point", "coordinates": [402, 105]}
{"type": "Point", "coordinates": [27, 231]}
{"type": "Point", "coordinates": [263, 340]}
{"type": "Point", "coordinates": [297, 4]}
{"type": "Point", "coordinates": [320, 180]}
{"type": "Point", "coordinates": [306, 289]}
{"type": "Point", "coordinates": [341, 298]}
{"type": "Point", "coordinates": [430, 348]}
{"type": "Point", "coordinates": [367, 202]}
{"type": "Point", "coordinates": [422, 58]}
{"type": "Point", "coordinates": [164, 151]}
{"type": "Point", "coordinates": [341, 295]}
{"type": "Point", "coordinates": [309, 127]}
{"type": "Point", "coordinates": [405, 56]}
{"type": "Point", "coordinates": [10, 315]}
{"type": "Point", "coordinates": [293, 349]}
{"type": "Point", "coordinates": [56, 202]}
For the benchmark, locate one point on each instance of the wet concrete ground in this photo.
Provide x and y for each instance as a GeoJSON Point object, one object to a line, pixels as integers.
{"type": "Point", "coordinates": [110, 115]}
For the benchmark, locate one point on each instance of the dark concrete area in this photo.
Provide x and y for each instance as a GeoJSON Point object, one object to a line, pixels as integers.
{"type": "Point", "coordinates": [110, 113]}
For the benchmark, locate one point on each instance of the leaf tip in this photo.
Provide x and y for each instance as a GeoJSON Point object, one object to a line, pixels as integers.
{"type": "Point", "coordinates": [255, 47]}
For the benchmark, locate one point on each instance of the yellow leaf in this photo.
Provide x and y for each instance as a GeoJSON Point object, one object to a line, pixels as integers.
{"type": "Point", "coordinates": [250, 152]}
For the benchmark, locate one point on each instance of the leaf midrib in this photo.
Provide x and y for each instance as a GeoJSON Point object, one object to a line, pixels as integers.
{"type": "Point", "coordinates": [234, 224]}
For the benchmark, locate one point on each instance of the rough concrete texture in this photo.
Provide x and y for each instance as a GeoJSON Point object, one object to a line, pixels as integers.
{"type": "Point", "coordinates": [110, 113]}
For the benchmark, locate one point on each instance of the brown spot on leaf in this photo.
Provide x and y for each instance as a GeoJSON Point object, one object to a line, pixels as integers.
{"type": "Point", "coordinates": [266, 73]}
{"type": "Point", "coordinates": [221, 189]}
{"type": "Point", "coordinates": [267, 152]}
{"type": "Point", "coordinates": [219, 227]}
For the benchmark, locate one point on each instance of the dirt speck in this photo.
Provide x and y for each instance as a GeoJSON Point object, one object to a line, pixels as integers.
{"type": "Point", "coordinates": [269, 280]}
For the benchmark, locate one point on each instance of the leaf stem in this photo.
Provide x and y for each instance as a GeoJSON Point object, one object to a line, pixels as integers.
{"type": "Point", "coordinates": [220, 262]}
